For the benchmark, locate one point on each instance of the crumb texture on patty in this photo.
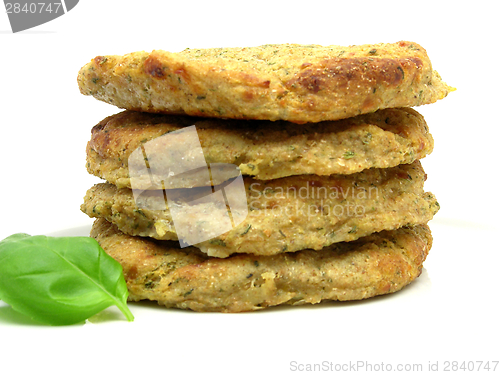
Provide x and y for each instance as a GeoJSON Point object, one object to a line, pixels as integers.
{"type": "Point", "coordinates": [297, 83]}
{"type": "Point", "coordinates": [186, 278]}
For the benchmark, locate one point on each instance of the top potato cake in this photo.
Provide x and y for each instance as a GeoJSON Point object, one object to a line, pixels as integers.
{"type": "Point", "coordinates": [297, 83]}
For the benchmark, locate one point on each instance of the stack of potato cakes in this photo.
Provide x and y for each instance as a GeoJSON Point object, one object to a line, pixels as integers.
{"type": "Point", "coordinates": [331, 205]}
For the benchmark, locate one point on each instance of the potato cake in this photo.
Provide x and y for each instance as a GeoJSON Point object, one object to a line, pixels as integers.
{"type": "Point", "coordinates": [263, 149]}
{"type": "Point", "coordinates": [284, 215]}
{"type": "Point", "coordinates": [297, 83]}
{"type": "Point", "coordinates": [160, 271]}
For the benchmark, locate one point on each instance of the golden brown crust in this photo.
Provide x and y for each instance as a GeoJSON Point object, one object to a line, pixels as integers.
{"type": "Point", "coordinates": [290, 82]}
{"type": "Point", "coordinates": [186, 278]}
{"type": "Point", "coordinates": [284, 215]}
{"type": "Point", "coordinates": [267, 150]}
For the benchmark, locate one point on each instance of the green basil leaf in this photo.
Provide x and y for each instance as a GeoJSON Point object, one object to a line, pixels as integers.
{"type": "Point", "coordinates": [60, 280]}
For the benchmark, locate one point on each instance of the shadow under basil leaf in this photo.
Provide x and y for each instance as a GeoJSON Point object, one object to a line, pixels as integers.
{"type": "Point", "coordinates": [111, 314]}
{"type": "Point", "coordinates": [10, 316]}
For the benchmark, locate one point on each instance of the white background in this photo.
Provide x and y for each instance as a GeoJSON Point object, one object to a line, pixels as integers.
{"type": "Point", "coordinates": [449, 314]}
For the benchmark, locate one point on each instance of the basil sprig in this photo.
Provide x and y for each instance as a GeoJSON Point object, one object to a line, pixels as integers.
{"type": "Point", "coordinates": [60, 280]}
